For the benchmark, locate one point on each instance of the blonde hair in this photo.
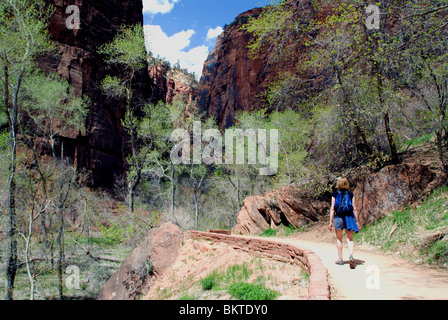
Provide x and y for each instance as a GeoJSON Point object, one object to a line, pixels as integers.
{"type": "Point", "coordinates": [343, 184]}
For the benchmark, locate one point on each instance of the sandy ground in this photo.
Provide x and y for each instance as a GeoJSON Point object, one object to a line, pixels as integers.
{"type": "Point", "coordinates": [198, 259]}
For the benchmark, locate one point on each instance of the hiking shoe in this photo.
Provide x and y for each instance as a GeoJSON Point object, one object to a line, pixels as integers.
{"type": "Point", "coordinates": [340, 262]}
{"type": "Point", "coordinates": [352, 262]}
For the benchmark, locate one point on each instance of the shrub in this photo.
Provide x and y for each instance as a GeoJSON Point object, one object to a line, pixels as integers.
{"type": "Point", "coordinates": [208, 282]}
{"type": "Point", "coordinates": [248, 291]}
{"type": "Point", "coordinates": [269, 233]}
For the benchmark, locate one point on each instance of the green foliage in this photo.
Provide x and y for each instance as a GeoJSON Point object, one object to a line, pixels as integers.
{"type": "Point", "coordinates": [294, 139]}
{"type": "Point", "coordinates": [4, 140]}
{"type": "Point", "coordinates": [187, 297]}
{"type": "Point", "coordinates": [24, 31]}
{"type": "Point", "coordinates": [381, 86]}
{"type": "Point", "coordinates": [208, 282]}
{"type": "Point", "coordinates": [219, 280]}
{"type": "Point", "coordinates": [289, 230]}
{"type": "Point", "coordinates": [272, 29]}
{"type": "Point", "coordinates": [47, 98]}
{"type": "Point", "coordinates": [127, 48]}
{"type": "Point", "coordinates": [269, 233]}
{"type": "Point", "coordinates": [116, 233]}
{"type": "Point", "coordinates": [248, 291]}
{"type": "Point", "coordinates": [114, 87]}
{"type": "Point", "coordinates": [418, 141]}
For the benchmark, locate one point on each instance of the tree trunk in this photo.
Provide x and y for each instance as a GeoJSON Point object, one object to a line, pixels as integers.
{"type": "Point", "coordinates": [66, 179]}
{"type": "Point", "coordinates": [60, 258]}
{"type": "Point", "coordinates": [390, 138]}
{"type": "Point", "coordinates": [131, 199]}
{"type": "Point", "coordinates": [11, 259]}
{"type": "Point", "coordinates": [442, 157]}
{"type": "Point", "coordinates": [196, 208]}
{"type": "Point", "coordinates": [172, 189]}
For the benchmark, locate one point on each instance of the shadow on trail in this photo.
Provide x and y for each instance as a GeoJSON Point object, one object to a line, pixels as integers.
{"type": "Point", "coordinates": [357, 262]}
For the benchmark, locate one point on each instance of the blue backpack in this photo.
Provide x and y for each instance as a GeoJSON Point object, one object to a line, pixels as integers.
{"type": "Point", "coordinates": [343, 204]}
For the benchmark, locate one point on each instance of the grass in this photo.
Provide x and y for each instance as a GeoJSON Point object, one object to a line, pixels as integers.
{"type": "Point", "coordinates": [283, 231]}
{"type": "Point", "coordinates": [403, 231]}
{"type": "Point", "coordinates": [235, 281]}
{"type": "Point", "coordinates": [249, 291]}
{"type": "Point", "coordinates": [219, 280]}
{"type": "Point", "coordinates": [418, 141]}
{"type": "Point", "coordinates": [269, 232]}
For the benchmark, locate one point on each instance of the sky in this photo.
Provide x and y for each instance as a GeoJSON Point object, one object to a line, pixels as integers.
{"type": "Point", "coordinates": [185, 31]}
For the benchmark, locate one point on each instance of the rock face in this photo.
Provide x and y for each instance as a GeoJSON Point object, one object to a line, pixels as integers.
{"type": "Point", "coordinates": [391, 189]}
{"type": "Point", "coordinates": [156, 253]}
{"type": "Point", "coordinates": [173, 84]}
{"type": "Point", "coordinates": [376, 193]}
{"type": "Point", "coordinates": [100, 147]}
{"type": "Point", "coordinates": [232, 81]}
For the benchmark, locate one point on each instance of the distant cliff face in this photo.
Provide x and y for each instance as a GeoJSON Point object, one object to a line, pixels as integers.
{"type": "Point", "coordinates": [173, 84]}
{"type": "Point", "coordinates": [232, 81]}
{"type": "Point", "coordinates": [100, 148]}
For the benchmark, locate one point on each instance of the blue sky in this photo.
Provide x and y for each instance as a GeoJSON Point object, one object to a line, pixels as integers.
{"type": "Point", "coordinates": [185, 31]}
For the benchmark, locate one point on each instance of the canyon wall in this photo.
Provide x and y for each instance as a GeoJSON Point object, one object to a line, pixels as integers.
{"type": "Point", "coordinates": [172, 84]}
{"type": "Point", "coordinates": [100, 148]}
{"type": "Point", "coordinates": [233, 81]}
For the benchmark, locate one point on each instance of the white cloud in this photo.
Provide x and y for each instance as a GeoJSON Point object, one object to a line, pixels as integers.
{"type": "Point", "coordinates": [172, 48]}
{"type": "Point", "coordinates": [214, 33]}
{"type": "Point", "coordinates": [158, 6]}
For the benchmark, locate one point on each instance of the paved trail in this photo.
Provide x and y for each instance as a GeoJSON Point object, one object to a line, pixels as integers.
{"type": "Point", "coordinates": [377, 276]}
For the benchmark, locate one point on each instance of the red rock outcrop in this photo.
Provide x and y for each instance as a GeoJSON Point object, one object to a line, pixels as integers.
{"type": "Point", "coordinates": [376, 193]}
{"type": "Point", "coordinates": [289, 205]}
{"type": "Point", "coordinates": [100, 147]}
{"type": "Point", "coordinates": [392, 188]}
{"type": "Point", "coordinates": [153, 256]}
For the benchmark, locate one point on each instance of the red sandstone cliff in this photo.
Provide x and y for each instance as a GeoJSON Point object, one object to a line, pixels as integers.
{"type": "Point", "coordinates": [172, 84]}
{"type": "Point", "coordinates": [232, 81]}
{"type": "Point", "coordinates": [100, 148]}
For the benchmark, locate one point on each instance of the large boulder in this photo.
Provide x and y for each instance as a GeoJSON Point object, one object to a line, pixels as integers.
{"type": "Point", "coordinates": [391, 189]}
{"type": "Point", "coordinates": [289, 205]}
{"type": "Point", "coordinates": [152, 257]}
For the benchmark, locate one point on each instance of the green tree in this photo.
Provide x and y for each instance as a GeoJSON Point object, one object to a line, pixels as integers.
{"type": "Point", "coordinates": [51, 104]}
{"type": "Point", "coordinates": [127, 53]}
{"type": "Point", "coordinates": [23, 36]}
{"type": "Point", "coordinates": [421, 59]}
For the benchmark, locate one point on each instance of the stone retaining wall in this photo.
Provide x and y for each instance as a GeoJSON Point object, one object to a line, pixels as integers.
{"type": "Point", "coordinates": [318, 288]}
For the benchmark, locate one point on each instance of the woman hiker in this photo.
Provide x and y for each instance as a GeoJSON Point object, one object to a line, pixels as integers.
{"type": "Point", "coordinates": [344, 216]}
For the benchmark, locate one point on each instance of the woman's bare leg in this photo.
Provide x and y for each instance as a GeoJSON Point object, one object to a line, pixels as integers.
{"type": "Point", "coordinates": [350, 242]}
{"type": "Point", "coordinates": [339, 242]}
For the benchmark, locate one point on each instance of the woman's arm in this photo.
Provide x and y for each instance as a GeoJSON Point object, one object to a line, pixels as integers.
{"type": "Point", "coordinates": [331, 214]}
{"type": "Point", "coordinates": [355, 210]}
